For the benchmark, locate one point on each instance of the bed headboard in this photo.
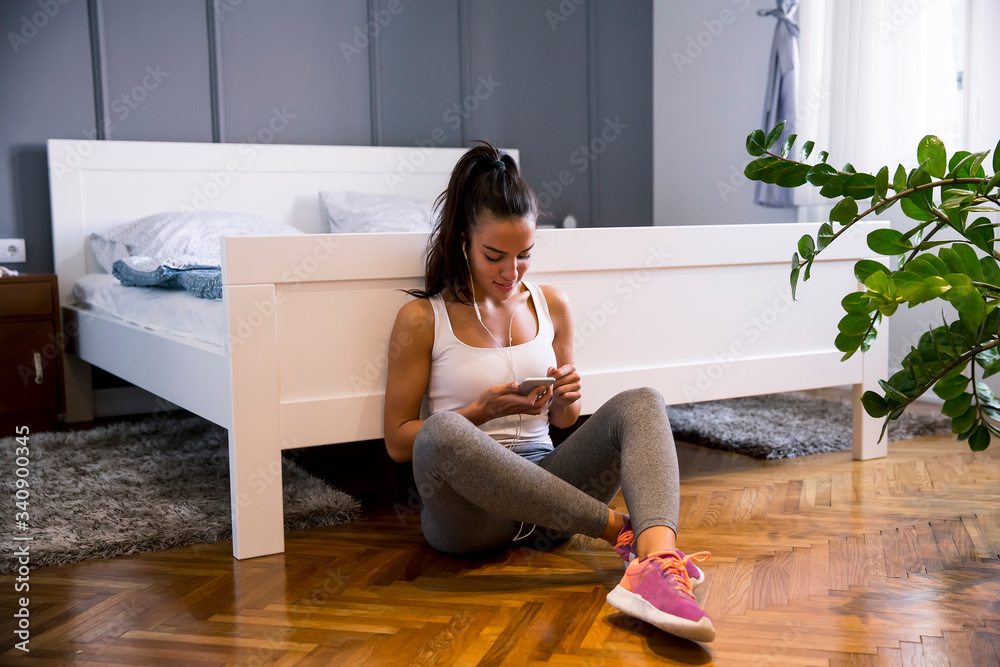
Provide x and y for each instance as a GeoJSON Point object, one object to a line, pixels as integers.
{"type": "Point", "coordinates": [98, 184]}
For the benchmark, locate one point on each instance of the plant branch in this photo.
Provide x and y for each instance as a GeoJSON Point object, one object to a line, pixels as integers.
{"type": "Point", "coordinates": [986, 286]}
{"type": "Point", "coordinates": [961, 359]}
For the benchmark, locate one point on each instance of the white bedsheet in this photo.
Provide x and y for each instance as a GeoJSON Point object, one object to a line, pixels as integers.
{"type": "Point", "coordinates": [173, 311]}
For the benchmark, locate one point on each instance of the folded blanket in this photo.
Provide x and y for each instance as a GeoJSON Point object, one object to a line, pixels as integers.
{"type": "Point", "coordinates": [201, 276]}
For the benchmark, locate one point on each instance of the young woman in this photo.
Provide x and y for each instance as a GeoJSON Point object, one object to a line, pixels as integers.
{"type": "Point", "coordinates": [483, 461]}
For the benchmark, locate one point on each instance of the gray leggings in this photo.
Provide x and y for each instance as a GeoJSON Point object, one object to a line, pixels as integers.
{"type": "Point", "coordinates": [476, 492]}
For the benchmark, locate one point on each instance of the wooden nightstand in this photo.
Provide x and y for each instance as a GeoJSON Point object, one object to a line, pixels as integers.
{"type": "Point", "coordinates": [31, 363]}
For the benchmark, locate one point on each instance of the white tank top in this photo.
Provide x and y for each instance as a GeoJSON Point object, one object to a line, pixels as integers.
{"type": "Point", "coordinates": [461, 372]}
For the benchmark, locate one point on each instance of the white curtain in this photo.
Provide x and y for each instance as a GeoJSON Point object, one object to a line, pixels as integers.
{"type": "Point", "coordinates": [876, 76]}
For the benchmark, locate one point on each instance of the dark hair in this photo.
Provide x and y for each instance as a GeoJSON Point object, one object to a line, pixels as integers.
{"type": "Point", "coordinates": [485, 180]}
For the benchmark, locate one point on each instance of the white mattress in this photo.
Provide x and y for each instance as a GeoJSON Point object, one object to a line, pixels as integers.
{"type": "Point", "coordinates": [171, 311]}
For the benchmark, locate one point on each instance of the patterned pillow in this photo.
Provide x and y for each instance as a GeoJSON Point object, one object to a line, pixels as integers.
{"type": "Point", "coordinates": [168, 235]}
{"type": "Point", "coordinates": [355, 212]}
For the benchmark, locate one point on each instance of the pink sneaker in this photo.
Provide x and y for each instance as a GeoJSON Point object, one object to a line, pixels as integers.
{"type": "Point", "coordinates": [626, 549]}
{"type": "Point", "coordinates": [656, 589]}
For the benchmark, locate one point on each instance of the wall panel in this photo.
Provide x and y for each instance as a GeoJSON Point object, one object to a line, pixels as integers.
{"type": "Point", "coordinates": [418, 73]}
{"type": "Point", "coordinates": [46, 91]}
{"type": "Point", "coordinates": [157, 86]}
{"type": "Point", "coordinates": [622, 122]}
{"type": "Point", "coordinates": [296, 72]}
{"type": "Point", "coordinates": [526, 86]}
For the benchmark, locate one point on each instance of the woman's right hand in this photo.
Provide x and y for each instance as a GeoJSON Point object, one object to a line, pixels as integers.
{"type": "Point", "coordinates": [502, 399]}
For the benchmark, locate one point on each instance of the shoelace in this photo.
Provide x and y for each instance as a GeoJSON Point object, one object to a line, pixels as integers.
{"type": "Point", "coordinates": [625, 539]}
{"type": "Point", "coordinates": [676, 567]}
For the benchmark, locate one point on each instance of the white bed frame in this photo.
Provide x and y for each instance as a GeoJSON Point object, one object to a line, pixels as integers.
{"type": "Point", "coordinates": [698, 312]}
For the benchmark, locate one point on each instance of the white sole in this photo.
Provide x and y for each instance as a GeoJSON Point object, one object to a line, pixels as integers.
{"type": "Point", "coordinates": [635, 605]}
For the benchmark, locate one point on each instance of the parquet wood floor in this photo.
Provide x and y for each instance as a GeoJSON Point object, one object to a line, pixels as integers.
{"type": "Point", "coordinates": [816, 561]}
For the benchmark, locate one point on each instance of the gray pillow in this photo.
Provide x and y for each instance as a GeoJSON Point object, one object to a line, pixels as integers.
{"type": "Point", "coordinates": [168, 235]}
{"type": "Point", "coordinates": [355, 212]}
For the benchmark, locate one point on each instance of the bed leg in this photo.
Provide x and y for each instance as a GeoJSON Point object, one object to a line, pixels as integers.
{"type": "Point", "coordinates": [79, 391]}
{"type": "Point", "coordinates": [875, 365]}
{"type": "Point", "coordinates": [255, 433]}
{"type": "Point", "coordinates": [76, 374]}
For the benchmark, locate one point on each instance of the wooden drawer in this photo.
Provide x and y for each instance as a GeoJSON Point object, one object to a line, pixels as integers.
{"type": "Point", "coordinates": [22, 389]}
{"type": "Point", "coordinates": [19, 297]}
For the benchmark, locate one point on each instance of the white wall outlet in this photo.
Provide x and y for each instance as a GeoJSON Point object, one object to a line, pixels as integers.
{"type": "Point", "coordinates": [12, 251]}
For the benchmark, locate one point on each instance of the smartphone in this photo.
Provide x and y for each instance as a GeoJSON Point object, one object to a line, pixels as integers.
{"type": "Point", "coordinates": [530, 384]}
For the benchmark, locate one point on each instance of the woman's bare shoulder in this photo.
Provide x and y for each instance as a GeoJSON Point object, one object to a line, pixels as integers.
{"type": "Point", "coordinates": [555, 297]}
{"type": "Point", "coordinates": [416, 318]}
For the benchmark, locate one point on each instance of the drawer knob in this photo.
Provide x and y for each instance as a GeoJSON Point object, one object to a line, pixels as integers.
{"type": "Point", "coordinates": [39, 377]}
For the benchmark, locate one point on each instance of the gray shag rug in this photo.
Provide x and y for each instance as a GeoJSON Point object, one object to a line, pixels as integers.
{"type": "Point", "coordinates": [777, 426]}
{"type": "Point", "coordinates": [139, 486]}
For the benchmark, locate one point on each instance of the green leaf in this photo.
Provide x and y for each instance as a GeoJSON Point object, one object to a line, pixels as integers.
{"type": "Point", "coordinates": [990, 184]}
{"type": "Point", "coordinates": [981, 232]}
{"type": "Point", "coordinates": [874, 405]}
{"type": "Point", "coordinates": [991, 271]}
{"type": "Point", "coordinates": [825, 236]}
{"type": "Point", "coordinates": [996, 159]}
{"type": "Point", "coordinates": [955, 163]}
{"type": "Point", "coordinates": [989, 361]}
{"type": "Point", "coordinates": [807, 149]}
{"type": "Point", "coordinates": [912, 211]}
{"type": "Point", "coordinates": [940, 268]}
{"type": "Point", "coordinates": [899, 180]}
{"type": "Point", "coordinates": [952, 260]}
{"type": "Point", "coordinates": [986, 396]}
{"type": "Point", "coordinates": [846, 343]}
{"type": "Point", "coordinates": [919, 265]}
{"type": "Point", "coordinates": [882, 182]}
{"type": "Point", "coordinates": [969, 260]}
{"type": "Point", "coordinates": [854, 324]}
{"type": "Point", "coordinates": [951, 386]}
{"type": "Point", "coordinates": [774, 135]}
{"type": "Point", "coordinates": [964, 421]}
{"type": "Point", "coordinates": [931, 149]}
{"type": "Point", "coordinates": [823, 155]}
{"type": "Point", "coordinates": [820, 174]}
{"type": "Point", "coordinates": [849, 169]}
{"type": "Point", "coordinates": [806, 247]}
{"type": "Point", "coordinates": [792, 176]}
{"type": "Point", "coordinates": [794, 278]}
{"type": "Point", "coordinates": [856, 302]}
{"type": "Point", "coordinates": [919, 175]}
{"type": "Point", "coordinates": [934, 286]}
{"type": "Point", "coordinates": [787, 146]}
{"type": "Point", "coordinates": [835, 186]}
{"type": "Point", "coordinates": [967, 301]}
{"type": "Point", "coordinates": [975, 169]}
{"type": "Point", "coordinates": [844, 211]}
{"type": "Point", "coordinates": [756, 168]}
{"type": "Point", "coordinates": [755, 143]}
{"type": "Point", "coordinates": [888, 242]}
{"type": "Point", "coordinates": [967, 166]}
{"type": "Point", "coordinates": [980, 439]}
{"type": "Point", "coordinates": [860, 186]}
{"type": "Point", "coordinates": [893, 392]}
{"type": "Point", "coordinates": [954, 407]}
{"type": "Point", "coordinates": [866, 267]}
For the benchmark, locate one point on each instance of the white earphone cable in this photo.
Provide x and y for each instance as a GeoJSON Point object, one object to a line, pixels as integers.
{"type": "Point", "coordinates": [508, 355]}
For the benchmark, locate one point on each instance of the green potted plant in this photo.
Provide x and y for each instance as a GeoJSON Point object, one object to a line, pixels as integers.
{"type": "Point", "coordinates": [939, 194]}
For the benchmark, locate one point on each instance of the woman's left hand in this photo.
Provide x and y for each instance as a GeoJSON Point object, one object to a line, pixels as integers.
{"type": "Point", "coordinates": [566, 389]}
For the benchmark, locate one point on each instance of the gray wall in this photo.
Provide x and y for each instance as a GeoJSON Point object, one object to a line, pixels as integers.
{"type": "Point", "coordinates": [568, 82]}
{"type": "Point", "coordinates": [709, 73]}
